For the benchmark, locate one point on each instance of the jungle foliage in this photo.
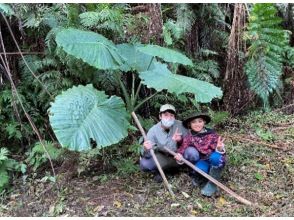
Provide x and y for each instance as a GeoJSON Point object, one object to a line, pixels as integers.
{"type": "Point", "coordinates": [84, 62]}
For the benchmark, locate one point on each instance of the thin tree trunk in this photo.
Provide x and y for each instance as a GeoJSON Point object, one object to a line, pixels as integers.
{"type": "Point", "coordinates": [192, 40]}
{"type": "Point", "coordinates": [236, 93]}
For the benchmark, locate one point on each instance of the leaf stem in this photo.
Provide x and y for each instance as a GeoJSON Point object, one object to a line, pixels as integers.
{"type": "Point", "coordinates": [125, 92]}
{"type": "Point", "coordinates": [145, 100]}
{"type": "Point", "coordinates": [140, 85]}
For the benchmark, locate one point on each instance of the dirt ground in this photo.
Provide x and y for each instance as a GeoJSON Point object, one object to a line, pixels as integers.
{"type": "Point", "coordinates": [139, 195]}
{"type": "Point", "coordinates": [262, 172]}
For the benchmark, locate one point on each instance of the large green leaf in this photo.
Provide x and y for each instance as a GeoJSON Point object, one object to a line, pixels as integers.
{"type": "Point", "coordinates": [136, 60]}
{"type": "Point", "coordinates": [161, 78]}
{"type": "Point", "coordinates": [83, 113]}
{"type": "Point", "coordinates": [6, 9]}
{"type": "Point", "coordinates": [166, 54]}
{"type": "Point", "coordinates": [91, 47]}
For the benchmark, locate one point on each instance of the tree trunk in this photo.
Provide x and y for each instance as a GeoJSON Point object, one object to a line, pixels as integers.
{"type": "Point", "coordinates": [236, 93]}
{"type": "Point", "coordinates": [155, 24]}
{"type": "Point", "coordinates": [192, 40]}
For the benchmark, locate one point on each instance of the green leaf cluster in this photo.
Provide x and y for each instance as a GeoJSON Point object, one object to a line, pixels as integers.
{"type": "Point", "coordinates": [38, 156]}
{"type": "Point", "coordinates": [7, 167]}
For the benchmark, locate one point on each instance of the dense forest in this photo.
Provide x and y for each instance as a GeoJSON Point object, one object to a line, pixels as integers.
{"type": "Point", "coordinates": [72, 74]}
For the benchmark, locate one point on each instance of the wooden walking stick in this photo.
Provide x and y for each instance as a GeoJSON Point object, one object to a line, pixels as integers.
{"type": "Point", "coordinates": [220, 185]}
{"type": "Point", "coordinates": [153, 155]}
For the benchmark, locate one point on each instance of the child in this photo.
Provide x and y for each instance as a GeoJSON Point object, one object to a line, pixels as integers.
{"type": "Point", "coordinates": [210, 148]}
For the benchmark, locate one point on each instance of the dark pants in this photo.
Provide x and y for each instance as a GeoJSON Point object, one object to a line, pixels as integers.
{"type": "Point", "coordinates": [147, 164]}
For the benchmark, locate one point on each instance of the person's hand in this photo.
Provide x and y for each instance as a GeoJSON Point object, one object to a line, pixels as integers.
{"type": "Point", "coordinates": [177, 137]}
{"type": "Point", "coordinates": [179, 157]}
{"type": "Point", "coordinates": [220, 144]}
{"type": "Point", "coordinates": [147, 145]}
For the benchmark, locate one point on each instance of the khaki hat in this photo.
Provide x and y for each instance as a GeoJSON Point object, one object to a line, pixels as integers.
{"type": "Point", "coordinates": [167, 107]}
{"type": "Point", "coordinates": [204, 116]}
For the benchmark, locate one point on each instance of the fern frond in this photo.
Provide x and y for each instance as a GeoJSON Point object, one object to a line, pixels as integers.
{"type": "Point", "coordinates": [4, 179]}
{"type": "Point", "coordinates": [268, 44]}
{"type": "Point", "coordinates": [53, 151]}
{"type": "Point", "coordinates": [106, 19]}
{"type": "Point", "coordinates": [172, 30]}
{"type": "Point", "coordinates": [185, 17]}
{"type": "Point", "coordinates": [4, 154]}
{"type": "Point", "coordinates": [205, 70]}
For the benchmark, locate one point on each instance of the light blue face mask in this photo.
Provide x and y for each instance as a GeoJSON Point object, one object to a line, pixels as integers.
{"type": "Point", "coordinates": [167, 122]}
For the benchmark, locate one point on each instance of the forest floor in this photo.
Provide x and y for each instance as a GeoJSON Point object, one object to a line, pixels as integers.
{"type": "Point", "coordinates": [260, 168]}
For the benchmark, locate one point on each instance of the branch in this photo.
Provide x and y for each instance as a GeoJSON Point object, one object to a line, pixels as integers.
{"type": "Point", "coordinates": [19, 53]}
{"type": "Point", "coordinates": [153, 155]}
{"type": "Point", "coordinates": [256, 142]}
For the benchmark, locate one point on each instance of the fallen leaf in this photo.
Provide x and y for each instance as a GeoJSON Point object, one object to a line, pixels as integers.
{"type": "Point", "coordinates": [51, 209]}
{"type": "Point", "coordinates": [175, 205]}
{"type": "Point", "coordinates": [199, 205]}
{"type": "Point", "coordinates": [267, 166]}
{"type": "Point", "coordinates": [221, 201]}
{"type": "Point", "coordinates": [185, 195]}
{"type": "Point", "coordinates": [129, 194]}
{"type": "Point", "coordinates": [194, 212]}
{"type": "Point", "coordinates": [13, 196]}
{"type": "Point", "coordinates": [99, 208]}
{"type": "Point", "coordinates": [117, 204]}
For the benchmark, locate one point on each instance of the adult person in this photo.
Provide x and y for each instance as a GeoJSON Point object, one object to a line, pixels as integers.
{"type": "Point", "coordinates": [209, 147]}
{"type": "Point", "coordinates": [168, 132]}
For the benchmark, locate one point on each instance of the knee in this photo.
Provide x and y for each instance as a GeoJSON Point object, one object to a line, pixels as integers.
{"type": "Point", "coordinates": [203, 165]}
{"type": "Point", "coordinates": [146, 165]}
{"type": "Point", "coordinates": [217, 160]}
{"type": "Point", "coordinates": [191, 154]}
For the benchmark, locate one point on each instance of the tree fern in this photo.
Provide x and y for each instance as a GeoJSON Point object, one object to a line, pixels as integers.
{"type": "Point", "coordinates": [268, 42]}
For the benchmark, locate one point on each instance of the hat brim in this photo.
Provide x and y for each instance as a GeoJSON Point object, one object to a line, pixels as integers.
{"type": "Point", "coordinates": [186, 122]}
{"type": "Point", "coordinates": [168, 110]}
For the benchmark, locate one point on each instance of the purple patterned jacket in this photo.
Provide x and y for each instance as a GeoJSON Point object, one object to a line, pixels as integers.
{"type": "Point", "coordinates": [205, 142]}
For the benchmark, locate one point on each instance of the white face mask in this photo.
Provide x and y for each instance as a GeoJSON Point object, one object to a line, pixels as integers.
{"type": "Point", "coordinates": [167, 122]}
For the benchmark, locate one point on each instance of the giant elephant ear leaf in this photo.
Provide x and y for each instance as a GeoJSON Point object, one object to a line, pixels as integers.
{"type": "Point", "coordinates": [91, 47]}
{"type": "Point", "coordinates": [166, 54]}
{"type": "Point", "coordinates": [83, 113]}
{"type": "Point", "coordinates": [161, 78]}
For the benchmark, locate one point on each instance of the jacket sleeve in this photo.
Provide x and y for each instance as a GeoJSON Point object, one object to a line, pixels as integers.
{"type": "Point", "coordinates": [186, 143]}
{"type": "Point", "coordinates": [151, 137]}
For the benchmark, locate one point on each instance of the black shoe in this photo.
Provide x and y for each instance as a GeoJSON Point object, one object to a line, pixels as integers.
{"type": "Point", "coordinates": [197, 180]}
{"type": "Point", "coordinates": [157, 178]}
